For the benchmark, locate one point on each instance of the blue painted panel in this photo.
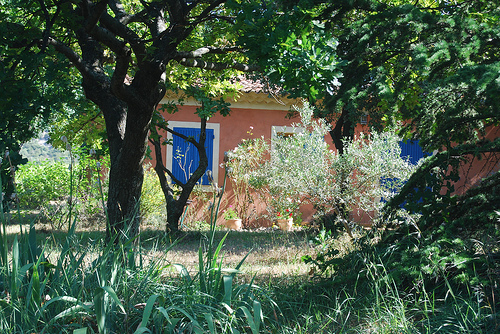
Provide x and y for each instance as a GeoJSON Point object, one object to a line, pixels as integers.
{"type": "Point", "coordinates": [185, 156]}
{"type": "Point", "coordinates": [412, 149]}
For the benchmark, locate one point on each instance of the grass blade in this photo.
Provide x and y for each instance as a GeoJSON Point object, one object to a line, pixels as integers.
{"type": "Point", "coordinates": [228, 288]}
{"type": "Point", "coordinates": [148, 309]}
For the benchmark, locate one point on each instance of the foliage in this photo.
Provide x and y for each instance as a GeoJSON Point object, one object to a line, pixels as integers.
{"type": "Point", "coordinates": [117, 290]}
{"type": "Point", "coordinates": [298, 166]}
{"type": "Point", "coordinates": [245, 159]}
{"type": "Point", "coordinates": [371, 170]}
{"type": "Point", "coordinates": [436, 260]}
{"type": "Point", "coordinates": [302, 169]}
{"type": "Point", "coordinates": [152, 199]}
{"type": "Point", "coordinates": [433, 64]}
{"type": "Point", "coordinates": [294, 52]}
{"type": "Point", "coordinates": [8, 165]}
{"type": "Point", "coordinates": [34, 150]}
{"type": "Point", "coordinates": [286, 214]}
{"type": "Point", "coordinates": [37, 86]}
{"type": "Point", "coordinates": [402, 281]}
{"type": "Point", "coordinates": [229, 213]}
{"type": "Point", "coordinates": [57, 189]}
{"type": "Point", "coordinates": [39, 183]}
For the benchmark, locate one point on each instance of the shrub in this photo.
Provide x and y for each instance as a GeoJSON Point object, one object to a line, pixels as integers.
{"type": "Point", "coordinates": [302, 169]}
{"type": "Point", "coordinates": [242, 162]}
{"type": "Point", "coordinates": [152, 198]}
{"type": "Point", "coordinates": [90, 185]}
{"type": "Point", "coordinates": [39, 183]}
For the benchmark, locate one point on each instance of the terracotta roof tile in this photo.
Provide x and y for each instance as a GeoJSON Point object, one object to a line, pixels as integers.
{"type": "Point", "coordinates": [250, 85]}
{"type": "Point", "coordinates": [256, 85]}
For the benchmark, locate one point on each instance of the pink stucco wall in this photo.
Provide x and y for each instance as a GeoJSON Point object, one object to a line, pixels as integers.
{"type": "Point", "coordinates": [235, 127]}
{"type": "Point", "coordinates": [471, 173]}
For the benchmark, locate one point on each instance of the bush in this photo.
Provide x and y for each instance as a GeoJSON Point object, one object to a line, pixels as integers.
{"type": "Point", "coordinates": [58, 190]}
{"type": "Point", "coordinates": [152, 198]}
{"type": "Point", "coordinates": [90, 185]}
{"type": "Point", "coordinates": [302, 169]}
{"type": "Point", "coordinates": [242, 162]}
{"type": "Point", "coordinates": [39, 183]}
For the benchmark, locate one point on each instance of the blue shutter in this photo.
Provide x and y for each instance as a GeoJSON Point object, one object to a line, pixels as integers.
{"type": "Point", "coordinates": [188, 154]}
{"type": "Point", "coordinates": [412, 150]}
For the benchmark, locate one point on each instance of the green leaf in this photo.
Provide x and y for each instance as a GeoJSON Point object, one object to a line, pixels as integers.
{"type": "Point", "coordinates": [148, 310]}
{"type": "Point", "coordinates": [81, 331]}
{"type": "Point", "coordinates": [113, 295]}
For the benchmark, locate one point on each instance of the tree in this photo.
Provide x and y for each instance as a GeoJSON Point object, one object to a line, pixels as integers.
{"type": "Point", "coordinates": [433, 64]}
{"type": "Point", "coordinates": [176, 200]}
{"type": "Point", "coordinates": [30, 97]}
{"type": "Point", "coordinates": [124, 52]}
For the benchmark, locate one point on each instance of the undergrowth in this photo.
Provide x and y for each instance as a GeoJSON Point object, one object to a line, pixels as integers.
{"type": "Point", "coordinates": [113, 287]}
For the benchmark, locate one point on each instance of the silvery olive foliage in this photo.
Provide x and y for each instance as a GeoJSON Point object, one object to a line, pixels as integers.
{"type": "Point", "coordinates": [370, 172]}
{"type": "Point", "coordinates": [242, 163]}
{"type": "Point", "coordinates": [299, 165]}
{"type": "Point", "coordinates": [302, 169]}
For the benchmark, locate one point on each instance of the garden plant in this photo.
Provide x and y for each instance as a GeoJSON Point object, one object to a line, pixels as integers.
{"type": "Point", "coordinates": [97, 74]}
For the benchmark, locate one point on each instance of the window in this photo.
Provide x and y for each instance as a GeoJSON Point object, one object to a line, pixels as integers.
{"type": "Point", "coordinates": [182, 156]}
{"type": "Point", "coordinates": [283, 131]}
{"type": "Point", "coordinates": [411, 150]}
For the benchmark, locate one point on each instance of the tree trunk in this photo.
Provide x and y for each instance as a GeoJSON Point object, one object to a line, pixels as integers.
{"type": "Point", "coordinates": [175, 206]}
{"type": "Point", "coordinates": [127, 127]}
{"type": "Point", "coordinates": [344, 129]}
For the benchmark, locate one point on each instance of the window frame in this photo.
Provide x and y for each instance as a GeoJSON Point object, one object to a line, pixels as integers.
{"type": "Point", "coordinates": [283, 129]}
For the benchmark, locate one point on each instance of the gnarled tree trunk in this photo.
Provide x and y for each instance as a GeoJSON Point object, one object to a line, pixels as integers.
{"type": "Point", "coordinates": [175, 205]}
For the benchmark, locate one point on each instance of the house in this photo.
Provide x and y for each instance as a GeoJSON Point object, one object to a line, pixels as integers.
{"type": "Point", "coordinates": [265, 114]}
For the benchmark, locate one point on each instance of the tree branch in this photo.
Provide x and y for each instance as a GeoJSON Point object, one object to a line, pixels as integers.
{"type": "Point", "coordinates": [122, 15]}
{"type": "Point", "coordinates": [208, 10]}
{"type": "Point", "coordinates": [206, 50]}
{"type": "Point", "coordinates": [119, 75]}
{"type": "Point", "coordinates": [160, 169]}
{"type": "Point", "coordinates": [95, 15]}
{"type": "Point", "coordinates": [186, 138]}
{"type": "Point", "coordinates": [160, 166]}
{"type": "Point", "coordinates": [71, 55]}
{"type": "Point", "coordinates": [48, 23]}
{"type": "Point", "coordinates": [218, 66]}
{"type": "Point", "coordinates": [108, 38]}
{"type": "Point", "coordinates": [228, 19]}
{"type": "Point", "coordinates": [439, 159]}
{"type": "Point", "coordinates": [127, 34]}
{"type": "Point", "coordinates": [117, 8]}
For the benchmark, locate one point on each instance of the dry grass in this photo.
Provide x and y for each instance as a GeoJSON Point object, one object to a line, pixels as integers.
{"type": "Point", "coordinates": [272, 254]}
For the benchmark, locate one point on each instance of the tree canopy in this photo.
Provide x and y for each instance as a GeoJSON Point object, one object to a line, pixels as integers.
{"type": "Point", "coordinates": [431, 64]}
{"type": "Point", "coordinates": [124, 54]}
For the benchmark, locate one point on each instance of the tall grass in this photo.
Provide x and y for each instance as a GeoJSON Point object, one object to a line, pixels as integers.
{"type": "Point", "coordinates": [372, 301]}
{"type": "Point", "coordinates": [110, 288]}
{"type": "Point", "coordinates": [76, 286]}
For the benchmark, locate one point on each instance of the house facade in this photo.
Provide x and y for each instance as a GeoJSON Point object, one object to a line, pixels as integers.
{"type": "Point", "coordinates": [264, 115]}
